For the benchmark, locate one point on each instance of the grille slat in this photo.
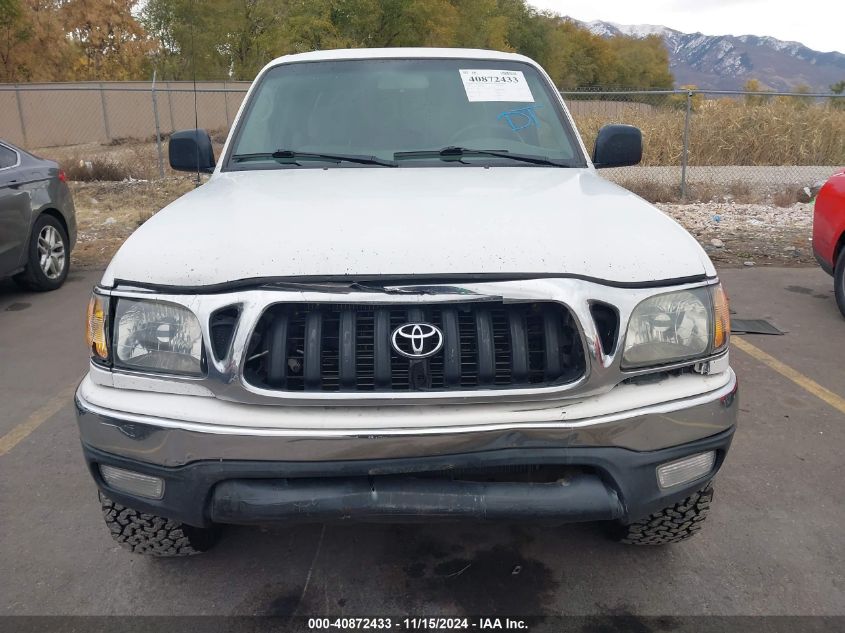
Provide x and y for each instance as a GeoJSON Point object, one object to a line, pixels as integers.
{"type": "Point", "coordinates": [451, 347]}
{"type": "Point", "coordinates": [381, 348]}
{"type": "Point", "coordinates": [313, 347]}
{"type": "Point", "coordinates": [519, 346]}
{"type": "Point", "coordinates": [347, 348]}
{"type": "Point", "coordinates": [551, 359]}
{"type": "Point", "coordinates": [278, 353]}
{"type": "Point", "coordinates": [486, 345]}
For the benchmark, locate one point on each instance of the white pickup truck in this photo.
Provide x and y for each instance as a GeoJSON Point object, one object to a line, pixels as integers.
{"type": "Point", "coordinates": [405, 293]}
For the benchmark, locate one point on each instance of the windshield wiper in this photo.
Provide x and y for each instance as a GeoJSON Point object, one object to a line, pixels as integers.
{"type": "Point", "coordinates": [293, 156]}
{"type": "Point", "coordinates": [456, 153]}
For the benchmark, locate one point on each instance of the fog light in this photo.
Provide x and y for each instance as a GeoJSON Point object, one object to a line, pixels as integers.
{"type": "Point", "coordinates": [685, 470]}
{"type": "Point", "coordinates": [132, 482]}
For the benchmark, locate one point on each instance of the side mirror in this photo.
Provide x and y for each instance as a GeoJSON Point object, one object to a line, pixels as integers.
{"type": "Point", "coordinates": [618, 146]}
{"type": "Point", "coordinates": [191, 150]}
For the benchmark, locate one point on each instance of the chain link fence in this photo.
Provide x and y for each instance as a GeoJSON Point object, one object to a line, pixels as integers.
{"type": "Point", "coordinates": [697, 144]}
{"type": "Point", "coordinates": [110, 130]}
{"type": "Point", "coordinates": [60, 115]}
{"type": "Point", "coordinates": [704, 144]}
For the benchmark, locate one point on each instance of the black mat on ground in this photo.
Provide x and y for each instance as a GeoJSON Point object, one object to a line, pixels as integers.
{"type": "Point", "coordinates": [753, 326]}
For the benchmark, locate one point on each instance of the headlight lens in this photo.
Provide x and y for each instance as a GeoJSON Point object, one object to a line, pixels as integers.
{"type": "Point", "coordinates": [668, 328]}
{"type": "Point", "coordinates": [157, 336]}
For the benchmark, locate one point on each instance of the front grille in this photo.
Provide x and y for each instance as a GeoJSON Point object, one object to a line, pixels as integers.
{"type": "Point", "coordinates": [486, 345]}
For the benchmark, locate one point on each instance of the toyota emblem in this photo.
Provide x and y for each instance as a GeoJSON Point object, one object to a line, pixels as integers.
{"type": "Point", "coordinates": [417, 340]}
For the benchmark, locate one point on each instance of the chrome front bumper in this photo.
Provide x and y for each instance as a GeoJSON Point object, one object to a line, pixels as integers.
{"type": "Point", "coordinates": [173, 430]}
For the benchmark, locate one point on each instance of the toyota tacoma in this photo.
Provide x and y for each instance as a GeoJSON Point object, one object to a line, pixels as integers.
{"type": "Point", "coordinates": [405, 293]}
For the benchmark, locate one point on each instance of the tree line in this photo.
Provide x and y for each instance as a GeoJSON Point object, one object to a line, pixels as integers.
{"type": "Point", "coordinates": [71, 40]}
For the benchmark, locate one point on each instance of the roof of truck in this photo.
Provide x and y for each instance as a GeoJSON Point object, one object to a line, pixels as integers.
{"type": "Point", "coordinates": [399, 53]}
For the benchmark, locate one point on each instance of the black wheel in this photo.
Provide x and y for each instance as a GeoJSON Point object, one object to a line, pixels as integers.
{"type": "Point", "coordinates": [47, 257]}
{"type": "Point", "coordinates": [670, 525]}
{"type": "Point", "coordinates": [153, 535]}
{"type": "Point", "coordinates": [839, 280]}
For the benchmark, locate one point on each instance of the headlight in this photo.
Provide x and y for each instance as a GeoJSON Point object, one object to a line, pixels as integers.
{"type": "Point", "coordinates": [157, 336]}
{"type": "Point", "coordinates": [677, 326]}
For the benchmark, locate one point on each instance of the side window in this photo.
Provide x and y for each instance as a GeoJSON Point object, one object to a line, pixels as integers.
{"type": "Point", "coordinates": [7, 157]}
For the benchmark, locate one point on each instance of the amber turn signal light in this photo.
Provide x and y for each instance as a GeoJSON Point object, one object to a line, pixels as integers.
{"type": "Point", "coordinates": [722, 318]}
{"type": "Point", "coordinates": [95, 334]}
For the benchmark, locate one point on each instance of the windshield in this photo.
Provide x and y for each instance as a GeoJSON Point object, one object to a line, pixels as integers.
{"type": "Point", "coordinates": [386, 112]}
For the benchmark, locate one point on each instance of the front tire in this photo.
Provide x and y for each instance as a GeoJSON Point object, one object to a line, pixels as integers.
{"type": "Point", "coordinates": [153, 535]}
{"type": "Point", "coordinates": [671, 525]}
{"type": "Point", "coordinates": [839, 281]}
{"type": "Point", "coordinates": [47, 256]}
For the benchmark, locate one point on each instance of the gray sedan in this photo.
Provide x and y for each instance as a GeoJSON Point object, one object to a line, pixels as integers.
{"type": "Point", "coordinates": [37, 220]}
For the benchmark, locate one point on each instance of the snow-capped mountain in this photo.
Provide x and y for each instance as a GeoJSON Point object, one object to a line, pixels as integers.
{"type": "Point", "coordinates": [606, 29]}
{"type": "Point", "coordinates": [726, 62]}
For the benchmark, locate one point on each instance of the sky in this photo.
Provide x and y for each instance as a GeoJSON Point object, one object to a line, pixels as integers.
{"type": "Point", "coordinates": [817, 24]}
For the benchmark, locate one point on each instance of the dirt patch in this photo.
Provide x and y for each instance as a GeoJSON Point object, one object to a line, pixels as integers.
{"type": "Point", "coordinates": [731, 233]}
{"type": "Point", "coordinates": [108, 212]}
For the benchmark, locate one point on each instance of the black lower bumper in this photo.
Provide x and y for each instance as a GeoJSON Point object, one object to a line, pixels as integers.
{"type": "Point", "coordinates": [583, 498]}
{"type": "Point", "coordinates": [605, 483]}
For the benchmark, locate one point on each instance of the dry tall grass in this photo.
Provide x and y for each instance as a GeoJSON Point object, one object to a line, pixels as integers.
{"type": "Point", "coordinates": [116, 161]}
{"type": "Point", "coordinates": [731, 132]}
{"type": "Point", "coordinates": [97, 169]}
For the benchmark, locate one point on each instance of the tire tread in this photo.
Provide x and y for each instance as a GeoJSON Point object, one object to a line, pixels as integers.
{"type": "Point", "coordinates": [143, 533]}
{"type": "Point", "coordinates": [671, 525]}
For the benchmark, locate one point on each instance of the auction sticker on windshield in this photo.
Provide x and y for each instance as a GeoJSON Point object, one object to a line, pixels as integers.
{"type": "Point", "coordinates": [496, 85]}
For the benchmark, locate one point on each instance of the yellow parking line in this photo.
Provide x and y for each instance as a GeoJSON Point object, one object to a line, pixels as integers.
{"type": "Point", "coordinates": [19, 433]}
{"type": "Point", "coordinates": [808, 384]}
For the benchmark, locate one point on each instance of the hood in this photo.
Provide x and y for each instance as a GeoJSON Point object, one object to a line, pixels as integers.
{"type": "Point", "coordinates": [429, 221]}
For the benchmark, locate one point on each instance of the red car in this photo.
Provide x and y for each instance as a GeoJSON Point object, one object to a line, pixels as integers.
{"type": "Point", "coordinates": [829, 233]}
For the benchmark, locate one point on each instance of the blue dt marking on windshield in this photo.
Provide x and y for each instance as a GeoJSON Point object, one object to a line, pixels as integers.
{"type": "Point", "coordinates": [521, 118]}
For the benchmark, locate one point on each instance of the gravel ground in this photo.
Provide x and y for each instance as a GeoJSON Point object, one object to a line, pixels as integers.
{"type": "Point", "coordinates": [757, 177]}
{"type": "Point", "coordinates": [745, 234]}
{"type": "Point", "coordinates": [732, 233]}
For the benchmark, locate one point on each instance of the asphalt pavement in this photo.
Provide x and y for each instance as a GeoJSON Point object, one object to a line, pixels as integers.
{"type": "Point", "coordinates": [773, 545]}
